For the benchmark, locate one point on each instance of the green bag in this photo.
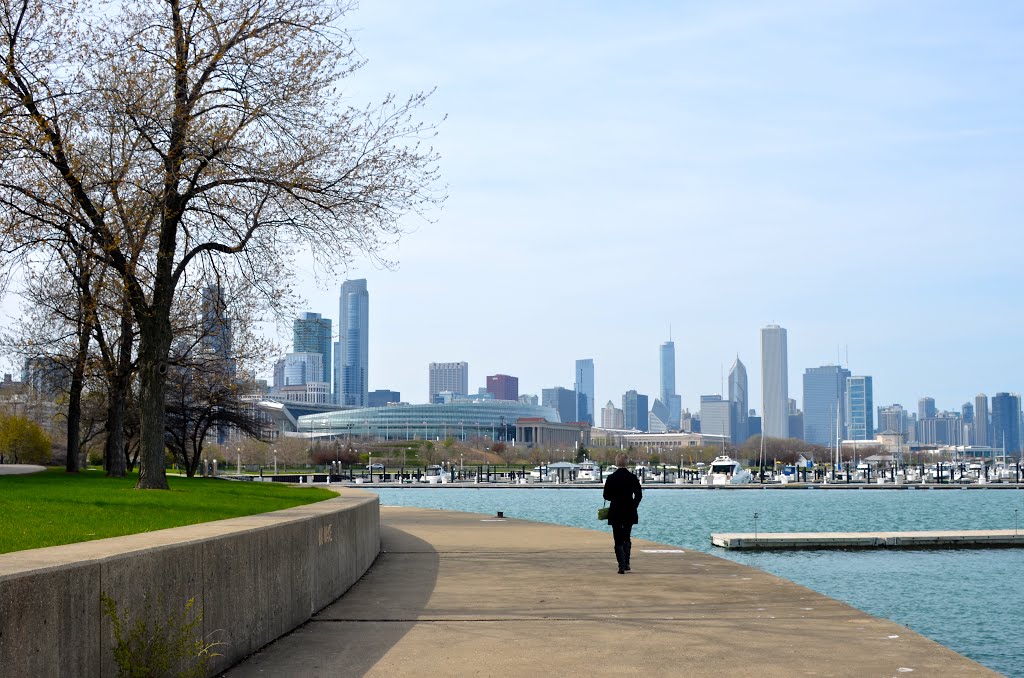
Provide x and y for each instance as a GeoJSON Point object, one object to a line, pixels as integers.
{"type": "Point", "coordinates": [602, 513]}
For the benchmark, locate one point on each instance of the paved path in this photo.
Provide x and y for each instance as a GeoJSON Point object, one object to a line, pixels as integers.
{"type": "Point", "coordinates": [457, 594]}
{"type": "Point", "coordinates": [20, 469]}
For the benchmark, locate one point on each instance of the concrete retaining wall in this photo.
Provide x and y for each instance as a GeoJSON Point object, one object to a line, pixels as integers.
{"type": "Point", "coordinates": [254, 579]}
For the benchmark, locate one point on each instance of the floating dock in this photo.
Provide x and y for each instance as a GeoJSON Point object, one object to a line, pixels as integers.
{"type": "Point", "coordinates": [940, 539]}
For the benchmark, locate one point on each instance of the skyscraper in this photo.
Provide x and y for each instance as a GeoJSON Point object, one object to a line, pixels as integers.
{"type": "Point", "coordinates": [503, 387]}
{"type": "Point", "coordinates": [738, 395]}
{"type": "Point", "coordinates": [303, 368]}
{"type": "Point", "coordinates": [926, 408]}
{"type": "Point", "coordinates": [774, 382]}
{"type": "Point", "coordinates": [216, 325]}
{"type": "Point", "coordinates": [351, 376]}
{"type": "Point", "coordinates": [448, 377]}
{"type": "Point", "coordinates": [982, 434]}
{"type": "Point", "coordinates": [860, 410]}
{"type": "Point", "coordinates": [612, 417]}
{"type": "Point", "coordinates": [312, 334]}
{"type": "Point", "coordinates": [718, 417]}
{"type": "Point", "coordinates": [825, 403]}
{"type": "Point", "coordinates": [562, 400]}
{"type": "Point", "coordinates": [585, 386]}
{"type": "Point", "coordinates": [634, 410]}
{"type": "Point", "coordinates": [667, 392]}
{"type": "Point", "coordinates": [1006, 422]}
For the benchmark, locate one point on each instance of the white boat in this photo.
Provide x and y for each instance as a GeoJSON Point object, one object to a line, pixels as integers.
{"type": "Point", "coordinates": [434, 475]}
{"type": "Point", "coordinates": [727, 471]}
{"type": "Point", "coordinates": [588, 471]}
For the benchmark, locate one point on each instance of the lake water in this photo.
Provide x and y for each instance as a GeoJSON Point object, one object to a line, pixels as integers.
{"type": "Point", "coordinates": [968, 600]}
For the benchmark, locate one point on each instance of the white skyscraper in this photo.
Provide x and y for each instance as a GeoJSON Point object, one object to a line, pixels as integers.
{"type": "Point", "coordinates": [448, 378]}
{"type": "Point", "coordinates": [774, 382]}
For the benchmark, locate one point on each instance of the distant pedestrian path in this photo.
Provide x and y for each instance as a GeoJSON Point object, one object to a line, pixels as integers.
{"type": "Point", "coordinates": [20, 469]}
{"type": "Point", "coordinates": [460, 594]}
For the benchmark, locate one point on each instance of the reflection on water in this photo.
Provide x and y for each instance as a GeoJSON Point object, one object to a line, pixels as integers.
{"type": "Point", "coordinates": [969, 600]}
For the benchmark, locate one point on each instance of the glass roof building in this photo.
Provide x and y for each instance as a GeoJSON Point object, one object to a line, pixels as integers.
{"type": "Point", "coordinates": [460, 419]}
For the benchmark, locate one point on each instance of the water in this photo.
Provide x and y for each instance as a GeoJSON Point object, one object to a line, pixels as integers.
{"type": "Point", "coordinates": [968, 600]}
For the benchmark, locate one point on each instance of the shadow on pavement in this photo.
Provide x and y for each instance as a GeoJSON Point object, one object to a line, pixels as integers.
{"type": "Point", "coordinates": [351, 634]}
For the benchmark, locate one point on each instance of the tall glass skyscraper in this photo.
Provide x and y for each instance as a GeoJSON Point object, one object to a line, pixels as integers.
{"type": "Point", "coordinates": [351, 380]}
{"type": "Point", "coordinates": [312, 334]}
{"type": "Point", "coordinates": [774, 382]}
{"type": "Point", "coordinates": [667, 394]}
{"type": "Point", "coordinates": [738, 395]}
{"type": "Point", "coordinates": [585, 386]}
{"type": "Point", "coordinates": [1006, 422]}
{"type": "Point", "coordinates": [634, 410]}
{"type": "Point", "coordinates": [860, 411]}
{"type": "Point", "coordinates": [825, 404]}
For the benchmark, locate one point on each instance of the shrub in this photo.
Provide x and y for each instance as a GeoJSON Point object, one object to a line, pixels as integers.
{"type": "Point", "coordinates": [170, 648]}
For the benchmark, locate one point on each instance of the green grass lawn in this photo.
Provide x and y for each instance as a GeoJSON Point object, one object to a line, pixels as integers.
{"type": "Point", "coordinates": [51, 508]}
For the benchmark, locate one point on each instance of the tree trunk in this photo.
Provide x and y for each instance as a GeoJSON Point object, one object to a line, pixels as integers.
{"type": "Point", "coordinates": [119, 383]}
{"type": "Point", "coordinates": [113, 452]}
{"type": "Point", "coordinates": [75, 400]}
{"type": "Point", "coordinates": [154, 345]}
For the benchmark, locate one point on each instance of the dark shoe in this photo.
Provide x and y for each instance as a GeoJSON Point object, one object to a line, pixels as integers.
{"type": "Point", "coordinates": [627, 568]}
{"type": "Point", "coordinates": [622, 571]}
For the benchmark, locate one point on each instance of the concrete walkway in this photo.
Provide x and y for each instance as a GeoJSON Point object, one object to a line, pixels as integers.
{"type": "Point", "coordinates": [456, 594]}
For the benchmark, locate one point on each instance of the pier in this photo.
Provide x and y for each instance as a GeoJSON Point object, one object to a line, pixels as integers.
{"type": "Point", "coordinates": [934, 539]}
{"type": "Point", "coordinates": [460, 594]}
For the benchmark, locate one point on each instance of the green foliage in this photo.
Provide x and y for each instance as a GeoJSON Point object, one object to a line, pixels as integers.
{"type": "Point", "coordinates": [174, 647]}
{"type": "Point", "coordinates": [36, 507]}
{"type": "Point", "coordinates": [22, 441]}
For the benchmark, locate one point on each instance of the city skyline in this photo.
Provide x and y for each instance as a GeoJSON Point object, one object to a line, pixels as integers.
{"type": "Point", "coordinates": [753, 174]}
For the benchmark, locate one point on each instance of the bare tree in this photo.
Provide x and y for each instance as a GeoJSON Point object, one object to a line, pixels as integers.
{"type": "Point", "coordinates": [196, 133]}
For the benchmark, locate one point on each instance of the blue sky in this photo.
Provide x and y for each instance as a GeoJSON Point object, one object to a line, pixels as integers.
{"type": "Point", "coordinates": [848, 170]}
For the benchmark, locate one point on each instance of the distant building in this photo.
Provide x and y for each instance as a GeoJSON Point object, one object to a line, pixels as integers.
{"type": "Point", "coordinates": [717, 417]}
{"type": "Point", "coordinates": [529, 399]}
{"type": "Point", "coordinates": [860, 409]}
{"type": "Point", "coordinates": [612, 417]}
{"type": "Point", "coordinates": [982, 432]}
{"type": "Point", "coordinates": [1006, 422]}
{"type": "Point", "coordinates": [352, 353]}
{"type": "Point", "coordinates": [452, 377]}
{"type": "Point", "coordinates": [564, 401]}
{"type": "Point", "coordinates": [584, 384]}
{"type": "Point", "coordinates": [634, 409]}
{"type": "Point", "coordinates": [503, 387]}
{"type": "Point", "coordinates": [926, 408]}
{"type": "Point", "coordinates": [774, 382]}
{"type": "Point", "coordinates": [738, 394]}
{"type": "Point", "coordinates": [380, 398]}
{"type": "Point", "coordinates": [312, 334]}
{"type": "Point", "coordinates": [667, 391]}
{"type": "Point", "coordinates": [303, 368]}
{"type": "Point", "coordinates": [216, 325]}
{"type": "Point", "coordinates": [825, 404]}
{"type": "Point", "coordinates": [893, 418]}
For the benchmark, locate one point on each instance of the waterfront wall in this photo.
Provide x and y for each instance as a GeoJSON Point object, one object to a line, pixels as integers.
{"type": "Point", "coordinates": [253, 578]}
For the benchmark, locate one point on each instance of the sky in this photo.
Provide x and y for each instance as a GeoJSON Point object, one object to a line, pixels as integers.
{"type": "Point", "coordinates": [848, 170]}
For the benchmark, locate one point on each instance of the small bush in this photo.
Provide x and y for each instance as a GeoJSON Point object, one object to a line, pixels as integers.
{"type": "Point", "coordinates": [172, 648]}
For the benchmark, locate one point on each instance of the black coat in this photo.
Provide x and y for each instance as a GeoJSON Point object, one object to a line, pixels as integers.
{"type": "Point", "coordinates": [623, 492]}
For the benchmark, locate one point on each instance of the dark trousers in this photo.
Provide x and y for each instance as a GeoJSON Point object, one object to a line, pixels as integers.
{"type": "Point", "coordinates": [622, 543]}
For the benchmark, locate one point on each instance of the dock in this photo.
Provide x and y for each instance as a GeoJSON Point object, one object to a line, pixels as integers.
{"type": "Point", "coordinates": [937, 539]}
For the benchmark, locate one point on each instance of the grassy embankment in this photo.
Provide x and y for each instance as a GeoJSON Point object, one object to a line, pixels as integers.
{"type": "Point", "coordinates": [52, 508]}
